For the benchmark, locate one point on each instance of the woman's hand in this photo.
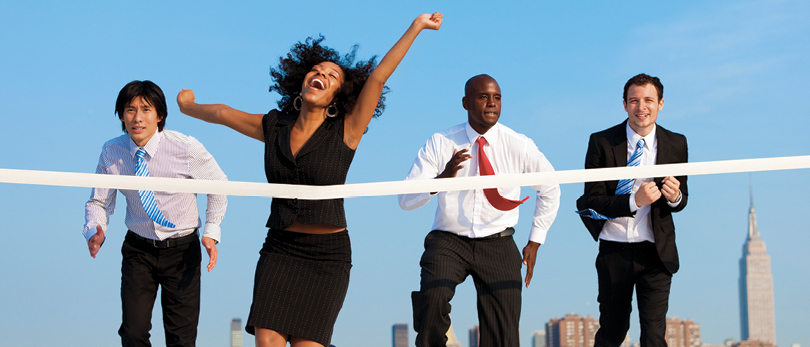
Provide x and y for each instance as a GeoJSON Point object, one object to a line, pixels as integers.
{"type": "Point", "coordinates": [185, 99]}
{"type": "Point", "coordinates": [429, 21]}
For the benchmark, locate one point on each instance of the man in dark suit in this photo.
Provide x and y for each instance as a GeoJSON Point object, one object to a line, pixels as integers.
{"type": "Point", "coordinates": [632, 219]}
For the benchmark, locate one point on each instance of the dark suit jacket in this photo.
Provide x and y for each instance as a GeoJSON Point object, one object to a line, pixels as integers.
{"type": "Point", "coordinates": [608, 148]}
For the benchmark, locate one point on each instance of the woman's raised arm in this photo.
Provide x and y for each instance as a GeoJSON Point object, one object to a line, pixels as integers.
{"type": "Point", "coordinates": [248, 124]}
{"type": "Point", "coordinates": [357, 120]}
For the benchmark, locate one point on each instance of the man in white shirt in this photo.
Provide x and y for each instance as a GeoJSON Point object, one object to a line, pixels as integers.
{"type": "Point", "coordinates": [470, 235]}
{"type": "Point", "coordinates": [162, 246]}
{"type": "Point", "coordinates": [632, 219]}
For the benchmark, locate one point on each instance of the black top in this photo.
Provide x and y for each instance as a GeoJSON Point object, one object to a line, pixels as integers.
{"type": "Point", "coordinates": [323, 160]}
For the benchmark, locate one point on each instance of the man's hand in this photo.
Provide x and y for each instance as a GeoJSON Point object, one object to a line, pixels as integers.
{"type": "Point", "coordinates": [452, 167]}
{"type": "Point", "coordinates": [671, 188]}
{"type": "Point", "coordinates": [210, 247]}
{"type": "Point", "coordinates": [95, 242]}
{"type": "Point", "coordinates": [529, 258]}
{"type": "Point", "coordinates": [647, 194]}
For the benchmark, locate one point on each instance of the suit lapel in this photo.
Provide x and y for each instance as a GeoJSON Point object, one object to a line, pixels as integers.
{"type": "Point", "coordinates": [619, 145]}
{"type": "Point", "coordinates": [664, 155]}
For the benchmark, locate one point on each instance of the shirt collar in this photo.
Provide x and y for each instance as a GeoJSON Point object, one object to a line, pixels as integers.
{"type": "Point", "coordinates": [151, 146]}
{"type": "Point", "coordinates": [632, 138]}
{"type": "Point", "coordinates": [491, 135]}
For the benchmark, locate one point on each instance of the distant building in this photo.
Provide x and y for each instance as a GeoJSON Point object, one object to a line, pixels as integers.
{"type": "Point", "coordinates": [475, 336]}
{"type": "Point", "coordinates": [452, 340]}
{"type": "Point", "coordinates": [752, 343]}
{"type": "Point", "coordinates": [682, 333]}
{"type": "Point", "coordinates": [399, 334]}
{"type": "Point", "coordinates": [757, 318]}
{"type": "Point", "coordinates": [538, 338]}
{"type": "Point", "coordinates": [571, 331]}
{"type": "Point", "coordinates": [627, 341]}
{"type": "Point", "coordinates": [236, 332]}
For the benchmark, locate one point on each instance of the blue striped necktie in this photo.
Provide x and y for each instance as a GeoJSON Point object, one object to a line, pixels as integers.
{"type": "Point", "coordinates": [147, 197]}
{"type": "Point", "coordinates": [625, 186]}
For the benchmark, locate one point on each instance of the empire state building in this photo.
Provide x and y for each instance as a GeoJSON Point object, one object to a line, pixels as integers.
{"type": "Point", "coordinates": [757, 318]}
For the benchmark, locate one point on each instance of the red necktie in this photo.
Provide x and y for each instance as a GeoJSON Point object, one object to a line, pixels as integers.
{"type": "Point", "coordinates": [485, 169]}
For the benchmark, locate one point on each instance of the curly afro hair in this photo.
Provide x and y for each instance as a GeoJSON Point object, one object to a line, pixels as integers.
{"type": "Point", "coordinates": [292, 70]}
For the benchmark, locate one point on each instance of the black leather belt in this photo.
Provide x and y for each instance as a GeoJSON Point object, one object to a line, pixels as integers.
{"type": "Point", "coordinates": [506, 232]}
{"type": "Point", "coordinates": [165, 243]}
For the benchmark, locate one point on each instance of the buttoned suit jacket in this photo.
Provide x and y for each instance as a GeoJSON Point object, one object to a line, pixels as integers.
{"type": "Point", "coordinates": [608, 148]}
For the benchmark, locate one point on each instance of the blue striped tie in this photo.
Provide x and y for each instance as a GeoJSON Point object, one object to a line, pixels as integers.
{"type": "Point", "coordinates": [147, 197]}
{"type": "Point", "coordinates": [625, 186]}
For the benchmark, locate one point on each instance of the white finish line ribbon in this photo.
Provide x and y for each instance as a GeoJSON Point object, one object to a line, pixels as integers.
{"type": "Point", "coordinates": [72, 179]}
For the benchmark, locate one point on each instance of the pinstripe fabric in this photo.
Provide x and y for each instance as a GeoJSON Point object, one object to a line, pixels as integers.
{"type": "Point", "coordinates": [323, 160]}
{"type": "Point", "coordinates": [301, 279]}
{"type": "Point", "coordinates": [494, 265]}
{"type": "Point", "coordinates": [168, 154]}
{"type": "Point", "coordinates": [300, 284]}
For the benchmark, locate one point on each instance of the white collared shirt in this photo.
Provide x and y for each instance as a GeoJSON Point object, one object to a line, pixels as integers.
{"type": "Point", "coordinates": [168, 154]}
{"type": "Point", "coordinates": [468, 213]}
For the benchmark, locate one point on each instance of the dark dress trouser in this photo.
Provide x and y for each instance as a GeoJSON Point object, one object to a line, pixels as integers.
{"type": "Point", "coordinates": [494, 264]}
{"type": "Point", "coordinates": [177, 271]}
{"type": "Point", "coordinates": [620, 267]}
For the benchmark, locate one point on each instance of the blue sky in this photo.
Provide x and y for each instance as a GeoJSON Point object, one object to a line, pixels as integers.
{"type": "Point", "coordinates": [735, 74]}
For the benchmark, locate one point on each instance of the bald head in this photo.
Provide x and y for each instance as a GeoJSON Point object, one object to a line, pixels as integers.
{"type": "Point", "coordinates": [482, 100]}
{"type": "Point", "coordinates": [475, 82]}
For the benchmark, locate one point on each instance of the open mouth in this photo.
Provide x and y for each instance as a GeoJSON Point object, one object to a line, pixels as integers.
{"type": "Point", "coordinates": [317, 83]}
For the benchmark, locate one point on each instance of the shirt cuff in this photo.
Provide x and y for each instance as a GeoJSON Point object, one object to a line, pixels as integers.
{"type": "Point", "coordinates": [677, 201]}
{"type": "Point", "coordinates": [212, 231]}
{"type": "Point", "coordinates": [633, 207]}
{"type": "Point", "coordinates": [89, 231]}
{"type": "Point", "coordinates": [538, 235]}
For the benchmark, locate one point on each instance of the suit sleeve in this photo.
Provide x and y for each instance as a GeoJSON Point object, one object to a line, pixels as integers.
{"type": "Point", "coordinates": [683, 158]}
{"type": "Point", "coordinates": [597, 195]}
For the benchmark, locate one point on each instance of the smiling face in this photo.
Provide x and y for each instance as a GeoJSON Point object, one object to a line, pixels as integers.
{"type": "Point", "coordinates": [321, 84]}
{"type": "Point", "coordinates": [482, 100]}
{"type": "Point", "coordinates": [642, 106]}
{"type": "Point", "coordinates": [140, 120]}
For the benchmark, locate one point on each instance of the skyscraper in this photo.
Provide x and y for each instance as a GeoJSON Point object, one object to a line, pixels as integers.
{"type": "Point", "coordinates": [399, 332]}
{"type": "Point", "coordinates": [539, 338]}
{"type": "Point", "coordinates": [757, 318]}
{"type": "Point", "coordinates": [236, 332]}
{"type": "Point", "coordinates": [475, 336]}
{"type": "Point", "coordinates": [571, 331]}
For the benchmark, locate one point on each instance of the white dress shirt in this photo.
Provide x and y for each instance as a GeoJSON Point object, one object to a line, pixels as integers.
{"type": "Point", "coordinates": [168, 154]}
{"type": "Point", "coordinates": [468, 213]}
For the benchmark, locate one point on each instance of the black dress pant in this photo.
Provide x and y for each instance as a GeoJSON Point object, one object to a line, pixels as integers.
{"type": "Point", "coordinates": [620, 267]}
{"type": "Point", "coordinates": [494, 265]}
{"type": "Point", "coordinates": [177, 271]}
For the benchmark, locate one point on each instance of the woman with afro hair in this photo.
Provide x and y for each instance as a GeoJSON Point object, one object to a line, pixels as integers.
{"type": "Point", "coordinates": [326, 104]}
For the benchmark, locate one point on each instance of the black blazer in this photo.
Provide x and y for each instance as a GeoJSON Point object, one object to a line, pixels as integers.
{"type": "Point", "coordinates": [608, 148]}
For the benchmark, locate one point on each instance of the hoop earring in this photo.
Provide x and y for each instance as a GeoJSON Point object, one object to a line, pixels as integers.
{"type": "Point", "coordinates": [297, 103]}
{"type": "Point", "coordinates": [332, 111]}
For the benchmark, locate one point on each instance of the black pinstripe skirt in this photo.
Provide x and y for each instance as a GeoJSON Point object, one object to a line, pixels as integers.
{"type": "Point", "coordinates": [300, 284]}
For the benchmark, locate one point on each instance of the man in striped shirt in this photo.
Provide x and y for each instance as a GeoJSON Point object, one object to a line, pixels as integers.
{"type": "Point", "coordinates": [161, 247]}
